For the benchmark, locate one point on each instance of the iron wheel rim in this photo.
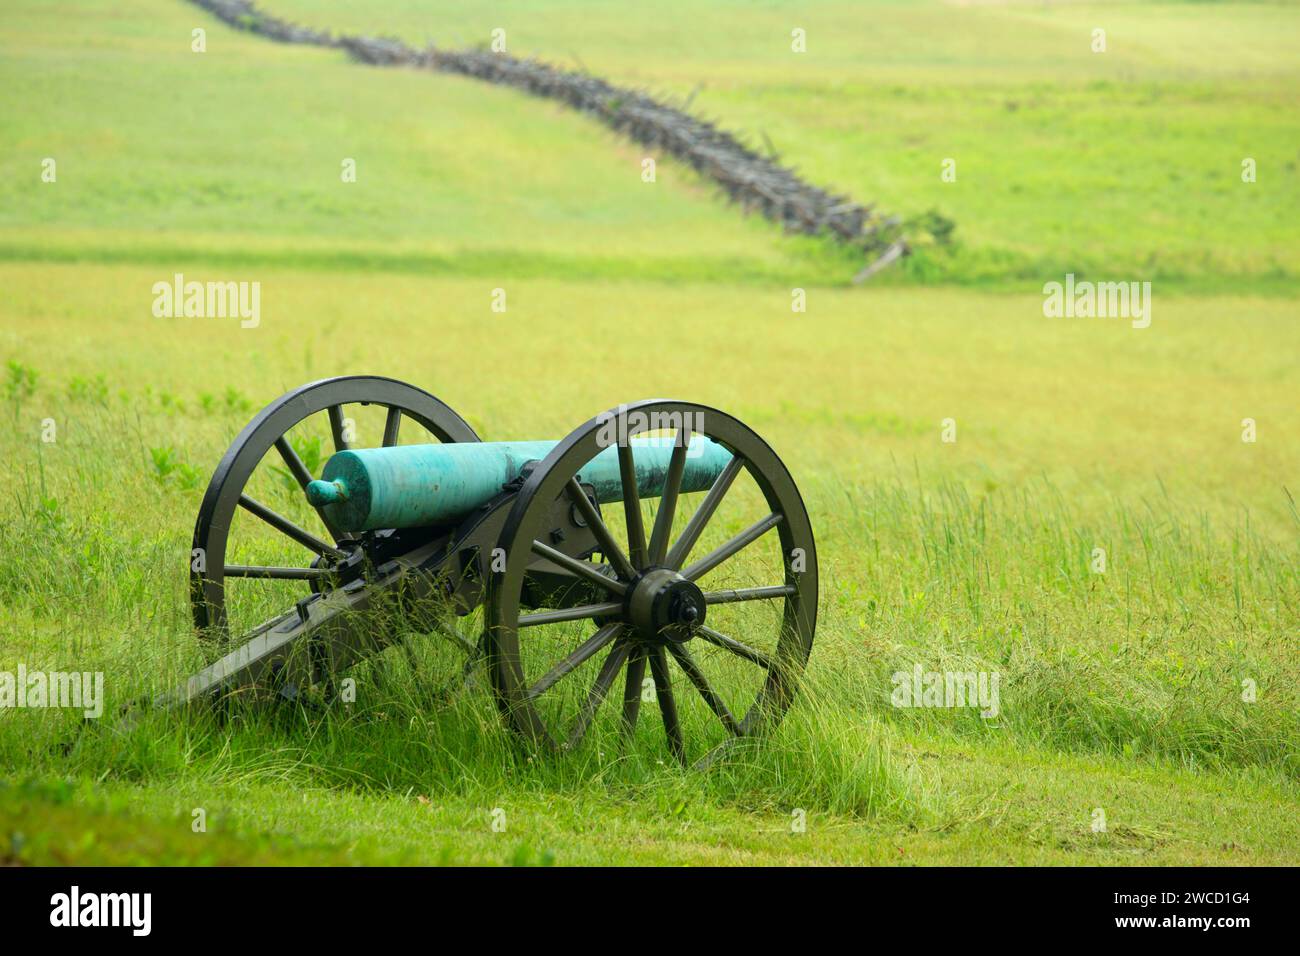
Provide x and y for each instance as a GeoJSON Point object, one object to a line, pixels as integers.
{"type": "Point", "coordinates": [526, 524]}
{"type": "Point", "coordinates": [267, 431]}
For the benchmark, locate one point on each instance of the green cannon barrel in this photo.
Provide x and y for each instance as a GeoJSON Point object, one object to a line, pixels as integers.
{"type": "Point", "coordinates": [413, 486]}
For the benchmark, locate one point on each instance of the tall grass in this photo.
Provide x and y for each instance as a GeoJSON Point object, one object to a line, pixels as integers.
{"type": "Point", "coordinates": [1154, 656]}
{"type": "Point", "coordinates": [1143, 661]}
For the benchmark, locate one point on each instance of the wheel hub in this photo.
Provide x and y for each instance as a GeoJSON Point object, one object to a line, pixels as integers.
{"type": "Point", "coordinates": [663, 606]}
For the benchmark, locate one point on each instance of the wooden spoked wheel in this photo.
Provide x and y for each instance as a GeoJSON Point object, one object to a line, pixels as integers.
{"type": "Point", "coordinates": [230, 490]}
{"type": "Point", "coordinates": [718, 610]}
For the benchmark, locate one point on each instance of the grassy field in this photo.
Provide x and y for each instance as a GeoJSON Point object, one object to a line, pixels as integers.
{"type": "Point", "coordinates": [1066, 159]}
{"type": "Point", "coordinates": [1121, 691]}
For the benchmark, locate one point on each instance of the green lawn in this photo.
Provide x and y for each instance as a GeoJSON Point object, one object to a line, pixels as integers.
{"type": "Point", "coordinates": [1126, 162]}
{"type": "Point", "coordinates": [1121, 691]}
{"type": "Point", "coordinates": [453, 177]}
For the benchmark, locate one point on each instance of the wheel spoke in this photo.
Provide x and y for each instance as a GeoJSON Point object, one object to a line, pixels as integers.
{"type": "Point", "coordinates": [732, 547]}
{"type": "Point", "coordinates": [691, 533]}
{"type": "Point", "coordinates": [579, 613]}
{"type": "Point", "coordinates": [667, 705]}
{"type": "Point", "coordinates": [604, 680]}
{"type": "Point", "coordinates": [391, 426]}
{"type": "Point", "coordinates": [687, 662]}
{"type": "Point", "coordinates": [632, 691]}
{"type": "Point", "coordinates": [736, 647]}
{"type": "Point", "coordinates": [749, 594]}
{"type": "Point", "coordinates": [668, 500]}
{"type": "Point", "coordinates": [336, 427]}
{"type": "Point", "coordinates": [581, 568]}
{"type": "Point", "coordinates": [282, 524]}
{"type": "Point", "coordinates": [568, 664]}
{"type": "Point", "coordinates": [293, 462]}
{"type": "Point", "coordinates": [276, 574]}
{"type": "Point", "coordinates": [632, 506]}
{"type": "Point", "coordinates": [300, 473]}
{"type": "Point", "coordinates": [608, 546]}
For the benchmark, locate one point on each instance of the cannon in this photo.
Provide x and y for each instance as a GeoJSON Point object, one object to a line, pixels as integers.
{"type": "Point", "coordinates": [546, 547]}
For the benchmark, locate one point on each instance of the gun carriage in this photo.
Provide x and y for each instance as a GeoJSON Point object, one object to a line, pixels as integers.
{"type": "Point", "coordinates": [546, 538]}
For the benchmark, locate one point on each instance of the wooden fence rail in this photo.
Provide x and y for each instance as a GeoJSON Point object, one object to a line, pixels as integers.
{"type": "Point", "coordinates": [749, 179]}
